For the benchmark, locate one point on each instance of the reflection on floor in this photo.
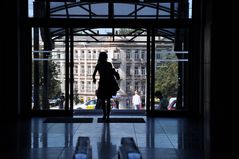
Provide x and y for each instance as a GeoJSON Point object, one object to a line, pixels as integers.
{"type": "Point", "coordinates": [157, 138]}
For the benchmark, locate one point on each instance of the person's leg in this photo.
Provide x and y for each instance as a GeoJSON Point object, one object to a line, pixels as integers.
{"type": "Point", "coordinates": [103, 108]}
{"type": "Point", "coordinates": [138, 107]}
{"type": "Point", "coordinates": [108, 107]}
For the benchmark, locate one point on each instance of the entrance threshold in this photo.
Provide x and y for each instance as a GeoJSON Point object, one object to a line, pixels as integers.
{"type": "Point", "coordinates": [113, 112]}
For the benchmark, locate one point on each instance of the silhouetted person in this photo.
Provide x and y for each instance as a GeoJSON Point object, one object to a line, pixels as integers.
{"type": "Point", "coordinates": [62, 99]}
{"type": "Point", "coordinates": [107, 83]}
{"type": "Point", "coordinates": [127, 102]}
{"type": "Point", "coordinates": [117, 103]}
{"type": "Point", "coordinates": [163, 102]}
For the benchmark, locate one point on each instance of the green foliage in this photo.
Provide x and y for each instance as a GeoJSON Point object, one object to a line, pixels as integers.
{"type": "Point", "coordinates": [54, 88]}
{"type": "Point", "coordinates": [129, 31]}
{"type": "Point", "coordinates": [125, 31]}
{"type": "Point", "coordinates": [167, 78]}
{"type": "Point", "coordinates": [53, 84]}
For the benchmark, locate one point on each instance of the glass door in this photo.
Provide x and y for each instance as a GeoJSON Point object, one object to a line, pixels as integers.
{"type": "Point", "coordinates": [50, 69]}
{"type": "Point", "coordinates": [151, 62]}
{"type": "Point", "coordinates": [126, 50]}
{"type": "Point", "coordinates": [169, 70]}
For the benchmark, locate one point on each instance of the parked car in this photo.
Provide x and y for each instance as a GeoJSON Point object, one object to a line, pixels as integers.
{"type": "Point", "coordinates": [54, 101]}
{"type": "Point", "coordinates": [91, 104]}
{"type": "Point", "coordinates": [172, 103]}
{"type": "Point", "coordinates": [87, 105]}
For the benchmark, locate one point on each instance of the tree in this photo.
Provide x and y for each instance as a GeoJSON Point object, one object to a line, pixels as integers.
{"type": "Point", "coordinates": [129, 31]}
{"type": "Point", "coordinates": [54, 88]}
{"type": "Point", "coordinates": [167, 78]}
{"type": "Point", "coordinates": [53, 84]}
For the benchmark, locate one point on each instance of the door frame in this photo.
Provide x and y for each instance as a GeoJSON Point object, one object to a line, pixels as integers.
{"type": "Point", "coordinates": [107, 23]}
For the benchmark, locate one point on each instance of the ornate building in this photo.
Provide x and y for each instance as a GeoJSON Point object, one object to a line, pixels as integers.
{"type": "Point", "coordinates": [129, 59]}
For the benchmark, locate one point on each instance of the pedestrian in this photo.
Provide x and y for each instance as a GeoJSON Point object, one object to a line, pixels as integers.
{"type": "Point", "coordinates": [163, 102]}
{"type": "Point", "coordinates": [62, 99]}
{"type": "Point", "coordinates": [107, 83]}
{"type": "Point", "coordinates": [117, 103]}
{"type": "Point", "coordinates": [136, 101]}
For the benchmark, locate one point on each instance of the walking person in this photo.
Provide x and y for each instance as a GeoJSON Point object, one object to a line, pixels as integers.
{"type": "Point", "coordinates": [136, 100]}
{"type": "Point", "coordinates": [62, 99]}
{"type": "Point", "coordinates": [107, 84]}
{"type": "Point", "coordinates": [163, 102]}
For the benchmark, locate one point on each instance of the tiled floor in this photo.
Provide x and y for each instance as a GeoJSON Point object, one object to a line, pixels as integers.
{"type": "Point", "coordinates": [157, 138]}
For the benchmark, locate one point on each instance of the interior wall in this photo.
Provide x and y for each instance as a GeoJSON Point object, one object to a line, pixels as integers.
{"type": "Point", "coordinates": [195, 45]}
{"type": "Point", "coordinates": [9, 82]}
{"type": "Point", "coordinates": [207, 21]}
{"type": "Point", "coordinates": [220, 80]}
{"type": "Point", "coordinates": [9, 32]}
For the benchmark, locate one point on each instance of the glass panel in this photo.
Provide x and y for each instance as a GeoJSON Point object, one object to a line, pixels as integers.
{"type": "Point", "coordinates": [30, 8]}
{"type": "Point", "coordinates": [126, 52]}
{"type": "Point", "coordinates": [77, 11]}
{"type": "Point", "coordinates": [54, 5]}
{"type": "Point", "coordinates": [190, 8]}
{"type": "Point", "coordinates": [100, 9]}
{"type": "Point", "coordinates": [59, 13]}
{"type": "Point", "coordinates": [148, 12]}
{"type": "Point", "coordinates": [171, 58]}
{"type": "Point", "coordinates": [125, 10]}
{"type": "Point", "coordinates": [121, 9]}
{"type": "Point", "coordinates": [48, 71]}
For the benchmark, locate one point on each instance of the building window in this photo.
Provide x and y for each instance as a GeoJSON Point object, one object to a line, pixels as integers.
{"type": "Point", "coordinates": [88, 70]}
{"type": "Point", "coordinates": [76, 69]}
{"type": "Point", "coordinates": [128, 70]}
{"type": "Point", "coordinates": [128, 87]}
{"type": "Point", "coordinates": [82, 70]}
{"type": "Point", "coordinates": [127, 54]}
{"type": "Point", "coordinates": [136, 55]}
{"type": "Point", "coordinates": [88, 86]}
{"type": "Point", "coordinates": [94, 54]}
{"type": "Point", "coordinates": [136, 70]}
{"type": "Point", "coordinates": [143, 87]}
{"type": "Point", "coordinates": [82, 86]}
{"type": "Point", "coordinates": [76, 85]}
{"type": "Point", "coordinates": [143, 54]}
{"type": "Point", "coordinates": [143, 71]}
{"type": "Point", "coordinates": [82, 55]}
{"type": "Point", "coordinates": [76, 54]}
{"type": "Point", "coordinates": [136, 86]}
{"type": "Point", "coordinates": [89, 54]}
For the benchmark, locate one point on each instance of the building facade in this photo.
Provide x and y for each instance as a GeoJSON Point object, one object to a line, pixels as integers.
{"type": "Point", "coordinates": [129, 59]}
